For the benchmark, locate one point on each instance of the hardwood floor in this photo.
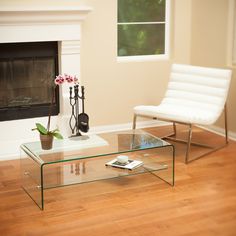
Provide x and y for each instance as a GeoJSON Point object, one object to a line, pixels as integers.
{"type": "Point", "coordinates": [202, 202]}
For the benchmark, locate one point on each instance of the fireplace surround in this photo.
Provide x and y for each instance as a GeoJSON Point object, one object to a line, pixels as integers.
{"type": "Point", "coordinates": [24, 24]}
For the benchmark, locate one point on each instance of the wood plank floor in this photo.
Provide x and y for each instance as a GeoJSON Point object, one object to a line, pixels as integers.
{"type": "Point", "coordinates": [202, 203]}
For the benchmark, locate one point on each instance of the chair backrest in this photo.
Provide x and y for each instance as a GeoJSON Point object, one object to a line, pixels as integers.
{"type": "Point", "coordinates": [198, 87]}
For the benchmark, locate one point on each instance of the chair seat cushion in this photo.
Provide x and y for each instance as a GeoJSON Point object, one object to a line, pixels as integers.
{"type": "Point", "coordinates": [177, 113]}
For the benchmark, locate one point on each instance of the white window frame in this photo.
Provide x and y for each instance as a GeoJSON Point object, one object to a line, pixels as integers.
{"type": "Point", "coordinates": [158, 57]}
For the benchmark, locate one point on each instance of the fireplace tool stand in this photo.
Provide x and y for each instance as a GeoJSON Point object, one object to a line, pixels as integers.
{"type": "Point", "coordinates": [79, 121]}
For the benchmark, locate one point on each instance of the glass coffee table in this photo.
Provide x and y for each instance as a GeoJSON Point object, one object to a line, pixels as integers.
{"type": "Point", "coordinates": [84, 159]}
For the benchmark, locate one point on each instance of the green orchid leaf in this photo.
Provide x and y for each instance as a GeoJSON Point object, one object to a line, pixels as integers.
{"type": "Point", "coordinates": [41, 128]}
{"type": "Point", "coordinates": [57, 135]}
{"type": "Point", "coordinates": [55, 130]}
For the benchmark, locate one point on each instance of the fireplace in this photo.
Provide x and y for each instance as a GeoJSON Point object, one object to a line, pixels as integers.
{"type": "Point", "coordinates": [26, 23]}
{"type": "Point", "coordinates": [27, 71]}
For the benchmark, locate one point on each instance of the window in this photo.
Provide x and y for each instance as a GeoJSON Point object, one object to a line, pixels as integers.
{"type": "Point", "coordinates": [143, 29]}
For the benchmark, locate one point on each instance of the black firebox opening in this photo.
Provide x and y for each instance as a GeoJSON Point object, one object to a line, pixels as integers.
{"type": "Point", "coordinates": [27, 72]}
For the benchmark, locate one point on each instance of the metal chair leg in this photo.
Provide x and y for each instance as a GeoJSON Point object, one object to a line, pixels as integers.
{"type": "Point", "coordinates": [174, 128]}
{"type": "Point", "coordinates": [188, 144]}
{"type": "Point", "coordinates": [226, 125]}
{"type": "Point", "coordinates": [189, 138]}
{"type": "Point", "coordinates": [134, 121]}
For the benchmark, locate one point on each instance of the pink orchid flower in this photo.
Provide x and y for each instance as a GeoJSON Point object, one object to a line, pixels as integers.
{"type": "Point", "coordinates": [60, 79]}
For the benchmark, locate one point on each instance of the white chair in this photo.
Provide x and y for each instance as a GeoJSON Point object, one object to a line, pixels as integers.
{"type": "Point", "coordinates": [195, 96]}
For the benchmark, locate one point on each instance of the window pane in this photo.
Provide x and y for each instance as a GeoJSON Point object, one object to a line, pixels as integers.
{"type": "Point", "coordinates": [141, 10]}
{"type": "Point", "coordinates": [136, 40]}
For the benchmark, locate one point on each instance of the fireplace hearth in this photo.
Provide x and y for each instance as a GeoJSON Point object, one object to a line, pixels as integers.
{"type": "Point", "coordinates": [27, 72]}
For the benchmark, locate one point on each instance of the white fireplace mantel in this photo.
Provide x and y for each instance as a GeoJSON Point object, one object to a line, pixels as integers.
{"type": "Point", "coordinates": [38, 24]}
{"type": "Point", "coordinates": [49, 15]}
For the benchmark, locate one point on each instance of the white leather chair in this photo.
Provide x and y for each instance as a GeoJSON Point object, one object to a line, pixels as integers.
{"type": "Point", "coordinates": [195, 96]}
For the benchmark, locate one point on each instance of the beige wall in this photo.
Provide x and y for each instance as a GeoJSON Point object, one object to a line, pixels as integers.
{"type": "Point", "coordinates": [210, 44]}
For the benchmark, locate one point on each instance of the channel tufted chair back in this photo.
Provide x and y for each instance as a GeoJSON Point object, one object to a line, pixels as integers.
{"type": "Point", "coordinates": [195, 96]}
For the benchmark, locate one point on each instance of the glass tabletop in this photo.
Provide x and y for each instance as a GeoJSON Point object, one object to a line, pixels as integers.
{"type": "Point", "coordinates": [89, 146]}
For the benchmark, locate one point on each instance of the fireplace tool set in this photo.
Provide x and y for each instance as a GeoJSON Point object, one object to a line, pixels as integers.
{"type": "Point", "coordinates": [79, 121]}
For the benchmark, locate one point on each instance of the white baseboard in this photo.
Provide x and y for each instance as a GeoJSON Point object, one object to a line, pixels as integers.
{"type": "Point", "coordinates": [219, 131]}
{"type": "Point", "coordinates": [126, 126]}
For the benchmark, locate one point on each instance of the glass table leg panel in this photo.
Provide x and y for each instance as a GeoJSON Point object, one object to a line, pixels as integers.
{"type": "Point", "coordinates": [160, 162]}
{"type": "Point", "coordinates": [42, 186]}
{"type": "Point", "coordinates": [31, 178]}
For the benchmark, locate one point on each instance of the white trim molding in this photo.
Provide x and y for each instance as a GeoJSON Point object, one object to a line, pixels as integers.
{"type": "Point", "coordinates": [126, 126]}
{"type": "Point", "coordinates": [47, 24]}
{"type": "Point", "coordinates": [46, 15]}
{"type": "Point", "coordinates": [219, 131]}
{"type": "Point", "coordinates": [70, 47]}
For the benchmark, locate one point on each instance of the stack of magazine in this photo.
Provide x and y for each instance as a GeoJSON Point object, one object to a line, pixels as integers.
{"type": "Point", "coordinates": [130, 164]}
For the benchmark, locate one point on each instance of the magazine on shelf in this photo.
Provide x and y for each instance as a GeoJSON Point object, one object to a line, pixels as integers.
{"type": "Point", "coordinates": [130, 165]}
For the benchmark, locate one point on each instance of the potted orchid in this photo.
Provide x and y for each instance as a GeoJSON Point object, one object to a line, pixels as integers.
{"type": "Point", "coordinates": [47, 135]}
